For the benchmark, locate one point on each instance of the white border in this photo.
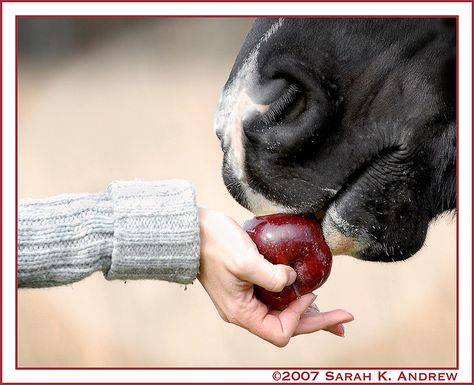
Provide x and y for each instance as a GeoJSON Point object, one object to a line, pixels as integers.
{"type": "Point", "coordinates": [10, 10]}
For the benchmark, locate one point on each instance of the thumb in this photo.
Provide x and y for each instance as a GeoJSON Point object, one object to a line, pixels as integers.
{"type": "Point", "coordinates": [271, 277]}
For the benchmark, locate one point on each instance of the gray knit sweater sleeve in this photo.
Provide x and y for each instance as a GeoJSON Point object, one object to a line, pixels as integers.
{"type": "Point", "coordinates": [133, 230]}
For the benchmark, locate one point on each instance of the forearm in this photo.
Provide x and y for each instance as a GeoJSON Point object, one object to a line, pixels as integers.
{"type": "Point", "coordinates": [133, 230]}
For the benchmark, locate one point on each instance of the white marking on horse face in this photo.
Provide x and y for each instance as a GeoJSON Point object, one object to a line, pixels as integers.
{"type": "Point", "coordinates": [242, 106]}
{"type": "Point", "coordinates": [234, 104]}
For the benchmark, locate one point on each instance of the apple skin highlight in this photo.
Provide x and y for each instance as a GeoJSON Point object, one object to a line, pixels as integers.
{"type": "Point", "coordinates": [291, 240]}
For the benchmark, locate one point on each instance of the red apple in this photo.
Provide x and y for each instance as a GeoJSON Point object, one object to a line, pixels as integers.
{"type": "Point", "coordinates": [296, 241]}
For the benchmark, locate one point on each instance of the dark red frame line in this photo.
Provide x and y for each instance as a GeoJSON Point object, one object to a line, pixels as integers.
{"type": "Point", "coordinates": [231, 16]}
{"type": "Point", "coordinates": [240, 1]}
{"type": "Point", "coordinates": [1, 202]}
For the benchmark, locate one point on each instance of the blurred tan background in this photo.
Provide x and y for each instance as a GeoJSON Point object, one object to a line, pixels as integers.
{"type": "Point", "coordinates": [108, 99]}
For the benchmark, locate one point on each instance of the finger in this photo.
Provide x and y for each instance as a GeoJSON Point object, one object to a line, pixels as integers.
{"type": "Point", "coordinates": [269, 276]}
{"type": "Point", "coordinates": [291, 316]}
{"type": "Point", "coordinates": [337, 330]}
{"type": "Point", "coordinates": [278, 327]}
{"type": "Point", "coordinates": [330, 320]}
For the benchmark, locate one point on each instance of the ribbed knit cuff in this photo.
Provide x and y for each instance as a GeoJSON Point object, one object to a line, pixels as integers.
{"type": "Point", "coordinates": [63, 239]}
{"type": "Point", "coordinates": [156, 231]}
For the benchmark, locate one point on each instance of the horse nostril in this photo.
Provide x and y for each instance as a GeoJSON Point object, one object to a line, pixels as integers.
{"type": "Point", "coordinates": [280, 100]}
{"type": "Point", "coordinates": [281, 103]}
{"type": "Point", "coordinates": [286, 107]}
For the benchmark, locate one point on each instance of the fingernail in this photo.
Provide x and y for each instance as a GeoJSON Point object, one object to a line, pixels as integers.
{"type": "Point", "coordinates": [314, 297]}
{"type": "Point", "coordinates": [311, 310]}
{"type": "Point", "coordinates": [340, 330]}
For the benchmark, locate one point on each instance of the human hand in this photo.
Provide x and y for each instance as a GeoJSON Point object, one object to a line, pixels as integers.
{"type": "Point", "coordinates": [231, 265]}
